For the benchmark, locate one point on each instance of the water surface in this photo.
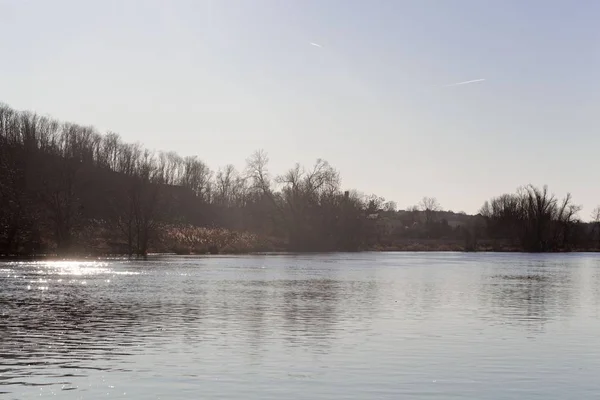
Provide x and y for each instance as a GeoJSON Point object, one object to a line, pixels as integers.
{"type": "Point", "coordinates": [328, 326]}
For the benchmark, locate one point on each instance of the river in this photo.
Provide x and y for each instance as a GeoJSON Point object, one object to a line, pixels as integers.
{"type": "Point", "coordinates": [323, 326]}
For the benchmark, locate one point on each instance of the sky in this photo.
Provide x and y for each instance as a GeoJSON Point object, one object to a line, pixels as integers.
{"type": "Point", "coordinates": [369, 86]}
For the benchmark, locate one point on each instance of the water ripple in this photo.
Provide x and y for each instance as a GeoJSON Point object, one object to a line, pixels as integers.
{"type": "Point", "coordinates": [314, 326]}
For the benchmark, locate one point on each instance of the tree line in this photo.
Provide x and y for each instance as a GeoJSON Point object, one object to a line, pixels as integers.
{"type": "Point", "coordinates": [62, 183]}
{"type": "Point", "coordinates": [536, 220]}
{"type": "Point", "coordinates": [67, 189]}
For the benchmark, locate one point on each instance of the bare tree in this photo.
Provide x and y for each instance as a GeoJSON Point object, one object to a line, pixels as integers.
{"type": "Point", "coordinates": [111, 143]}
{"type": "Point", "coordinates": [257, 171]}
{"type": "Point", "coordinates": [504, 217]}
{"type": "Point", "coordinates": [539, 208]}
{"type": "Point", "coordinates": [374, 203]}
{"type": "Point", "coordinates": [225, 185]}
{"type": "Point", "coordinates": [596, 221]}
{"type": "Point", "coordinates": [57, 192]}
{"type": "Point", "coordinates": [430, 206]}
{"type": "Point", "coordinates": [390, 206]}
{"type": "Point", "coordinates": [323, 178]}
{"type": "Point", "coordinates": [565, 217]}
{"type": "Point", "coordinates": [596, 214]}
{"type": "Point", "coordinates": [535, 216]}
{"type": "Point", "coordinates": [196, 176]}
{"type": "Point", "coordinates": [304, 197]}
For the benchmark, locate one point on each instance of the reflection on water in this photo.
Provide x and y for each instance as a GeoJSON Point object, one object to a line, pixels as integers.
{"type": "Point", "coordinates": [531, 297]}
{"type": "Point", "coordinates": [322, 326]}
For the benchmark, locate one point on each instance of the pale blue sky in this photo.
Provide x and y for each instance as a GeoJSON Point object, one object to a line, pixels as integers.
{"type": "Point", "coordinates": [220, 79]}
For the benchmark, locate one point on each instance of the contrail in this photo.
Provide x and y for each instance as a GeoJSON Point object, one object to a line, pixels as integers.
{"type": "Point", "coordinates": [316, 44]}
{"type": "Point", "coordinates": [465, 82]}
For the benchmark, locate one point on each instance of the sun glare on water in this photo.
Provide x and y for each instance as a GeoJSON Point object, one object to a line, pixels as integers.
{"type": "Point", "coordinates": [74, 268]}
{"type": "Point", "coordinates": [69, 268]}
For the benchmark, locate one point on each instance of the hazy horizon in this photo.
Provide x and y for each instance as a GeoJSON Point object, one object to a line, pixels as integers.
{"type": "Point", "coordinates": [460, 101]}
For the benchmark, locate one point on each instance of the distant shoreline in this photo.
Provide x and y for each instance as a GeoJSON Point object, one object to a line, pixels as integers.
{"type": "Point", "coordinates": [67, 190]}
{"type": "Point", "coordinates": [54, 257]}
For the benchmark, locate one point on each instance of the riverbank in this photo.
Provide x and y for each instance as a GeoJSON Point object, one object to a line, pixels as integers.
{"type": "Point", "coordinates": [427, 246]}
